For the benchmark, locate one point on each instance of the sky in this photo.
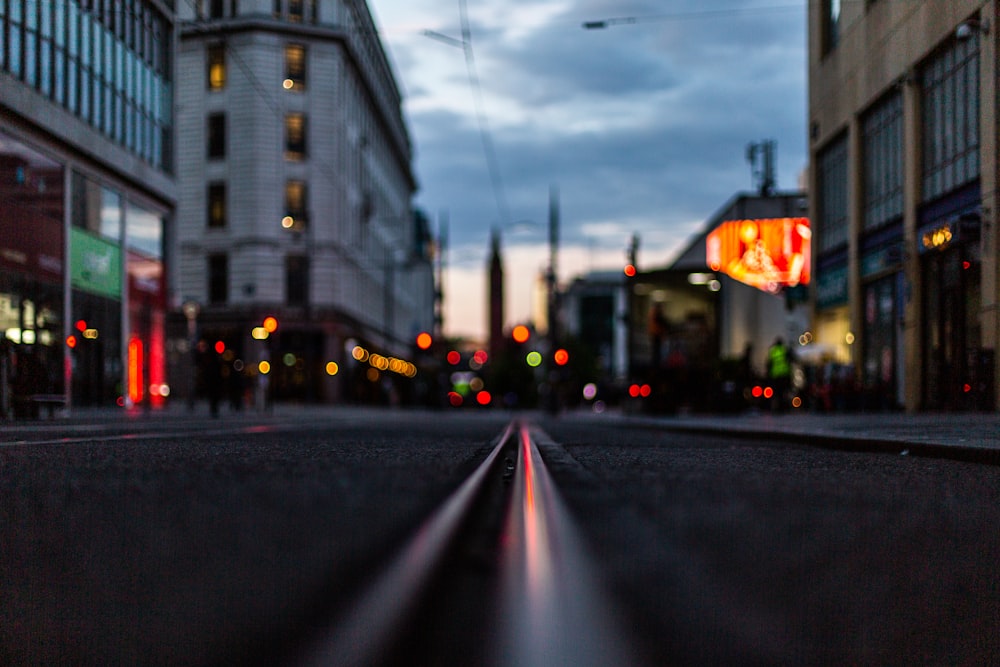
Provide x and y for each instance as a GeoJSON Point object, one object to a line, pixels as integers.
{"type": "Point", "coordinates": [640, 128]}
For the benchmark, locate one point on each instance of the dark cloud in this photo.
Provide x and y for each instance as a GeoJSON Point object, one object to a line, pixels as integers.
{"type": "Point", "coordinates": [643, 125]}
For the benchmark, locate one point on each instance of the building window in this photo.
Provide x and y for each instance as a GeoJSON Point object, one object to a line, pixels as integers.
{"type": "Point", "coordinates": [216, 67]}
{"type": "Point", "coordinates": [296, 280]}
{"type": "Point", "coordinates": [295, 10]}
{"type": "Point", "coordinates": [831, 181]}
{"type": "Point", "coordinates": [295, 67]}
{"type": "Point", "coordinates": [218, 279]}
{"type": "Point", "coordinates": [951, 118]}
{"type": "Point", "coordinates": [295, 136]}
{"type": "Point", "coordinates": [296, 203]}
{"type": "Point", "coordinates": [882, 136]}
{"type": "Point", "coordinates": [217, 136]}
{"type": "Point", "coordinates": [217, 204]}
{"type": "Point", "coordinates": [830, 24]}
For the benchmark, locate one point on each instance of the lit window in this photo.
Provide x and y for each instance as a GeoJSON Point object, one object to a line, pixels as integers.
{"type": "Point", "coordinates": [217, 204]}
{"type": "Point", "coordinates": [295, 67]}
{"type": "Point", "coordinates": [296, 216]}
{"type": "Point", "coordinates": [216, 67]}
{"type": "Point", "coordinates": [295, 136]}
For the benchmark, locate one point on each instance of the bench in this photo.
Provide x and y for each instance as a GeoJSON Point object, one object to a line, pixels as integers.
{"type": "Point", "coordinates": [51, 401]}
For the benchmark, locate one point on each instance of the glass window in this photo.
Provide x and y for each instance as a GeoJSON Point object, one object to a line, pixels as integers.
{"type": "Point", "coordinates": [31, 58]}
{"type": "Point", "coordinates": [295, 10]}
{"type": "Point", "coordinates": [882, 132]}
{"type": "Point", "coordinates": [216, 67]}
{"type": "Point", "coordinates": [831, 229]}
{"type": "Point", "coordinates": [216, 136]}
{"type": "Point", "coordinates": [296, 280]}
{"type": "Point", "coordinates": [295, 136]}
{"type": "Point", "coordinates": [295, 67]}
{"type": "Point", "coordinates": [144, 231]}
{"type": "Point", "coordinates": [218, 279]}
{"type": "Point", "coordinates": [951, 118]}
{"type": "Point", "coordinates": [217, 204]}
{"type": "Point", "coordinates": [296, 203]}
{"type": "Point", "coordinates": [831, 24]}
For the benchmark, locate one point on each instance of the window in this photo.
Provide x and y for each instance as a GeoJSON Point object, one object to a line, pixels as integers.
{"type": "Point", "coordinates": [882, 137]}
{"type": "Point", "coordinates": [831, 24]}
{"type": "Point", "coordinates": [217, 204]}
{"type": "Point", "coordinates": [216, 67]}
{"type": "Point", "coordinates": [831, 228]}
{"type": "Point", "coordinates": [295, 67]}
{"type": "Point", "coordinates": [218, 279]}
{"type": "Point", "coordinates": [295, 136]}
{"type": "Point", "coordinates": [296, 212]}
{"type": "Point", "coordinates": [951, 118]}
{"type": "Point", "coordinates": [296, 280]}
{"type": "Point", "coordinates": [217, 136]}
{"type": "Point", "coordinates": [295, 10]}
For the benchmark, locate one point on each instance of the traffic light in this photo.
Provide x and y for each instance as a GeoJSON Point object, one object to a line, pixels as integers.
{"type": "Point", "coordinates": [630, 270]}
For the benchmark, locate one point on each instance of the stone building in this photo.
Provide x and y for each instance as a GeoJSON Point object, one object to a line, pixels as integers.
{"type": "Point", "coordinates": [903, 149]}
{"type": "Point", "coordinates": [296, 189]}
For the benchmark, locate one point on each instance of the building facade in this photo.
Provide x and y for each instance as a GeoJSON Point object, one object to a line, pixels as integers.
{"type": "Point", "coordinates": [296, 196]}
{"type": "Point", "coordinates": [86, 201]}
{"type": "Point", "coordinates": [903, 152]}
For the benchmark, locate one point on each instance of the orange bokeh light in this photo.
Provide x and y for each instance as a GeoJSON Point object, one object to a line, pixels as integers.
{"type": "Point", "coordinates": [521, 334]}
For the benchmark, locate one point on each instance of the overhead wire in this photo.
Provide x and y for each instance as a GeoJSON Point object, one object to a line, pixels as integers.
{"type": "Point", "coordinates": [492, 164]}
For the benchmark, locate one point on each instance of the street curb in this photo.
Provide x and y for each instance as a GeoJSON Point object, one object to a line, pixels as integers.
{"type": "Point", "coordinates": [844, 442]}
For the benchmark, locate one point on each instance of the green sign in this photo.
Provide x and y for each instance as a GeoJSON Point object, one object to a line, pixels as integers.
{"type": "Point", "coordinates": [95, 264]}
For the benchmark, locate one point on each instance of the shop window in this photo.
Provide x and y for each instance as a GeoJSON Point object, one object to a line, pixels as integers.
{"type": "Point", "coordinates": [295, 67]}
{"type": "Point", "coordinates": [295, 136]}
{"type": "Point", "coordinates": [216, 136]}
{"type": "Point", "coordinates": [217, 204]}
{"type": "Point", "coordinates": [216, 67]}
{"type": "Point", "coordinates": [218, 279]}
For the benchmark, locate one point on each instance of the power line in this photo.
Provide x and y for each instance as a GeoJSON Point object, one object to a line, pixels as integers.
{"type": "Point", "coordinates": [484, 130]}
{"type": "Point", "coordinates": [600, 24]}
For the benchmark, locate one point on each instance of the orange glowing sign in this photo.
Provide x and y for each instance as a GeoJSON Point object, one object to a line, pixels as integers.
{"type": "Point", "coordinates": [135, 366]}
{"type": "Point", "coordinates": [767, 254]}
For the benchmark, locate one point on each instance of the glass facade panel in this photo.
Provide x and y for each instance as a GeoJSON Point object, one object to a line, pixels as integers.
{"type": "Point", "coordinates": [882, 132]}
{"type": "Point", "coordinates": [83, 56]}
{"type": "Point", "coordinates": [951, 118]}
{"type": "Point", "coordinates": [832, 225]}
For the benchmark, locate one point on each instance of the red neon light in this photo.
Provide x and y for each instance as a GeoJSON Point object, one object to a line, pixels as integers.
{"type": "Point", "coordinates": [767, 254]}
{"type": "Point", "coordinates": [135, 379]}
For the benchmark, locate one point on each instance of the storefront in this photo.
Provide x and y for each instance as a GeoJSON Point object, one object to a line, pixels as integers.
{"type": "Point", "coordinates": [957, 371]}
{"type": "Point", "coordinates": [81, 319]}
{"type": "Point", "coordinates": [882, 367]}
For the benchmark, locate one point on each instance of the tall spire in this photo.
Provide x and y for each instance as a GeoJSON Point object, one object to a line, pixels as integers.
{"type": "Point", "coordinates": [496, 294]}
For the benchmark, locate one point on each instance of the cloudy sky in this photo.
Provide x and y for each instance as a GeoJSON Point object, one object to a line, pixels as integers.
{"type": "Point", "coordinates": [642, 127]}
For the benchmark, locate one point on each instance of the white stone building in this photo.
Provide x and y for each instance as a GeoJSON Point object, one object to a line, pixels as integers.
{"type": "Point", "coordinates": [295, 189]}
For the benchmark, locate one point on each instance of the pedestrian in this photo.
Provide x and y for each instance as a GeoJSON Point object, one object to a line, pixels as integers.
{"type": "Point", "coordinates": [779, 372]}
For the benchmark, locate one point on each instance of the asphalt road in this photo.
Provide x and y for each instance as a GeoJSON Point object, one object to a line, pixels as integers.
{"type": "Point", "coordinates": [227, 542]}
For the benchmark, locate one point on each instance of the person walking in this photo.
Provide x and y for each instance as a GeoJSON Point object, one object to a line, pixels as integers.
{"type": "Point", "coordinates": [779, 372]}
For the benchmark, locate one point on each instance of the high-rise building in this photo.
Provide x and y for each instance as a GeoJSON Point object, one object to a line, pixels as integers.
{"type": "Point", "coordinates": [86, 201]}
{"type": "Point", "coordinates": [903, 145]}
{"type": "Point", "coordinates": [295, 180]}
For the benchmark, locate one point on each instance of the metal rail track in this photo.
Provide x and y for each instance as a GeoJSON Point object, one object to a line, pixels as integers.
{"type": "Point", "coordinates": [546, 605]}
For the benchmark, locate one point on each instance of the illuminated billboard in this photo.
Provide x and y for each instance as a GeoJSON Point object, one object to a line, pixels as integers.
{"type": "Point", "coordinates": [768, 254]}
